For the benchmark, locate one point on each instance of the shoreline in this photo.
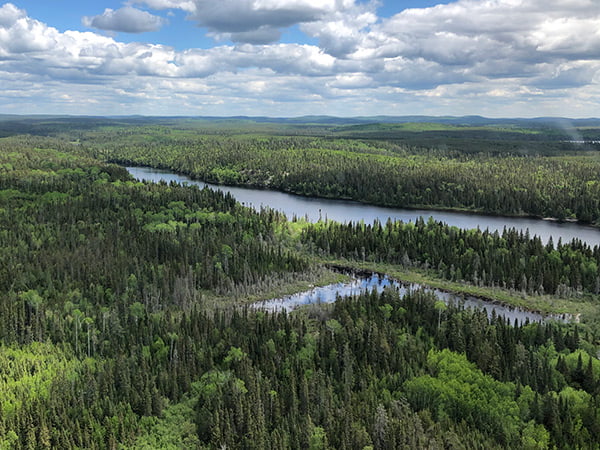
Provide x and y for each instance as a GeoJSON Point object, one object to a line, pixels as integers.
{"type": "Point", "coordinates": [443, 285]}
{"type": "Point", "coordinates": [358, 274]}
{"type": "Point", "coordinates": [457, 210]}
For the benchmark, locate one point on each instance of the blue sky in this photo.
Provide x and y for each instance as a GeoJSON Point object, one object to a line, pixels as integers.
{"type": "Point", "coordinates": [521, 58]}
{"type": "Point", "coordinates": [180, 33]}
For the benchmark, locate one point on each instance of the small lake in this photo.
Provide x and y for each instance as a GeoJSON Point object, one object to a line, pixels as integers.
{"type": "Point", "coordinates": [315, 209]}
{"type": "Point", "coordinates": [330, 293]}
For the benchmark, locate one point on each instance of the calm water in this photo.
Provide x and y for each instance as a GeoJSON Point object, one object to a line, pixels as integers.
{"type": "Point", "coordinates": [329, 294]}
{"type": "Point", "coordinates": [345, 211]}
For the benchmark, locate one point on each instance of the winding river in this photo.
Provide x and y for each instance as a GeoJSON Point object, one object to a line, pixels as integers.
{"type": "Point", "coordinates": [345, 211]}
{"type": "Point", "coordinates": [315, 209]}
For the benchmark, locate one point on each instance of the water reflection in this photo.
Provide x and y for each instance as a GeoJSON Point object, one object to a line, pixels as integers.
{"type": "Point", "coordinates": [375, 282]}
{"type": "Point", "coordinates": [315, 209]}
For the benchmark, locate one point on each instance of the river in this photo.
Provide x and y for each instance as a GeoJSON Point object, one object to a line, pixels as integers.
{"type": "Point", "coordinates": [345, 211]}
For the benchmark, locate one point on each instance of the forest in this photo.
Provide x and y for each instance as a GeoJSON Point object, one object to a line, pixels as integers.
{"type": "Point", "coordinates": [126, 314]}
{"type": "Point", "coordinates": [502, 171]}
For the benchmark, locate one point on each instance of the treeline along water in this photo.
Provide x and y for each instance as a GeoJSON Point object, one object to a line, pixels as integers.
{"type": "Point", "coordinates": [376, 282]}
{"type": "Point", "coordinates": [315, 209]}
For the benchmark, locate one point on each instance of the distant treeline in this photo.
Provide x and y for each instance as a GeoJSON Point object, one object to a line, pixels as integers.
{"type": "Point", "coordinates": [373, 171]}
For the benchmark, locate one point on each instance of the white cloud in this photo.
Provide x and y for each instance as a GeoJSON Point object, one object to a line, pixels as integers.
{"type": "Point", "coordinates": [26, 36]}
{"type": "Point", "coordinates": [126, 19]}
{"type": "Point", "coordinates": [185, 5]}
{"type": "Point", "coordinates": [494, 57]}
{"type": "Point", "coordinates": [9, 14]}
{"type": "Point", "coordinates": [354, 81]}
{"type": "Point", "coordinates": [252, 21]}
{"type": "Point", "coordinates": [475, 30]}
{"type": "Point", "coordinates": [261, 35]}
{"type": "Point", "coordinates": [342, 32]}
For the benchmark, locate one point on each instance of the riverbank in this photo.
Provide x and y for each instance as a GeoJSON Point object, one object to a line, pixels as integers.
{"type": "Point", "coordinates": [542, 304]}
{"type": "Point", "coordinates": [422, 209]}
{"type": "Point", "coordinates": [276, 288]}
{"type": "Point", "coordinates": [315, 209]}
{"type": "Point", "coordinates": [292, 206]}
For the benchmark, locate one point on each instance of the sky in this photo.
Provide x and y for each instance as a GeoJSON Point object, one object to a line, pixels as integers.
{"type": "Point", "coordinates": [289, 58]}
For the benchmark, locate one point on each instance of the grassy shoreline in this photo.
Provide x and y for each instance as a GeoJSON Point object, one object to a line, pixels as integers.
{"type": "Point", "coordinates": [321, 276]}
{"type": "Point", "coordinates": [543, 304]}
{"type": "Point", "coordinates": [330, 273]}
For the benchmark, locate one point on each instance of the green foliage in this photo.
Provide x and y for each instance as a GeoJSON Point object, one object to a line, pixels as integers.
{"type": "Point", "coordinates": [173, 431]}
{"type": "Point", "coordinates": [458, 390]}
{"type": "Point", "coordinates": [107, 341]}
{"type": "Point", "coordinates": [510, 259]}
{"type": "Point", "coordinates": [29, 373]}
{"type": "Point", "coordinates": [318, 439]}
{"type": "Point", "coordinates": [34, 378]}
{"type": "Point", "coordinates": [535, 437]}
{"type": "Point", "coordinates": [488, 170]}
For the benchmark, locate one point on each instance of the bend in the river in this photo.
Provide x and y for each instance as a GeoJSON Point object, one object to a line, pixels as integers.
{"type": "Point", "coordinates": [315, 209]}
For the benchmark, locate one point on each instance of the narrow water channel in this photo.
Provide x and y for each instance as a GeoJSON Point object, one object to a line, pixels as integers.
{"type": "Point", "coordinates": [330, 293]}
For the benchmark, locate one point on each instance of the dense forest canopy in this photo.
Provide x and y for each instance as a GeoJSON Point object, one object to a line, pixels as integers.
{"type": "Point", "coordinates": [496, 169]}
{"type": "Point", "coordinates": [124, 306]}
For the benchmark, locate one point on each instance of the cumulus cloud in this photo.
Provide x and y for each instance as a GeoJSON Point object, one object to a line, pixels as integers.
{"type": "Point", "coordinates": [29, 46]}
{"type": "Point", "coordinates": [468, 41]}
{"type": "Point", "coordinates": [252, 21]}
{"type": "Point", "coordinates": [126, 20]}
{"type": "Point", "coordinates": [24, 35]}
{"type": "Point", "coordinates": [468, 31]}
{"type": "Point", "coordinates": [484, 56]}
{"type": "Point", "coordinates": [9, 14]}
{"type": "Point", "coordinates": [343, 32]}
{"type": "Point", "coordinates": [262, 35]}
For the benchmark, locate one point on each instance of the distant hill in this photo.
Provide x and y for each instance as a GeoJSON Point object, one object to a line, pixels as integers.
{"type": "Point", "coordinates": [319, 119]}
